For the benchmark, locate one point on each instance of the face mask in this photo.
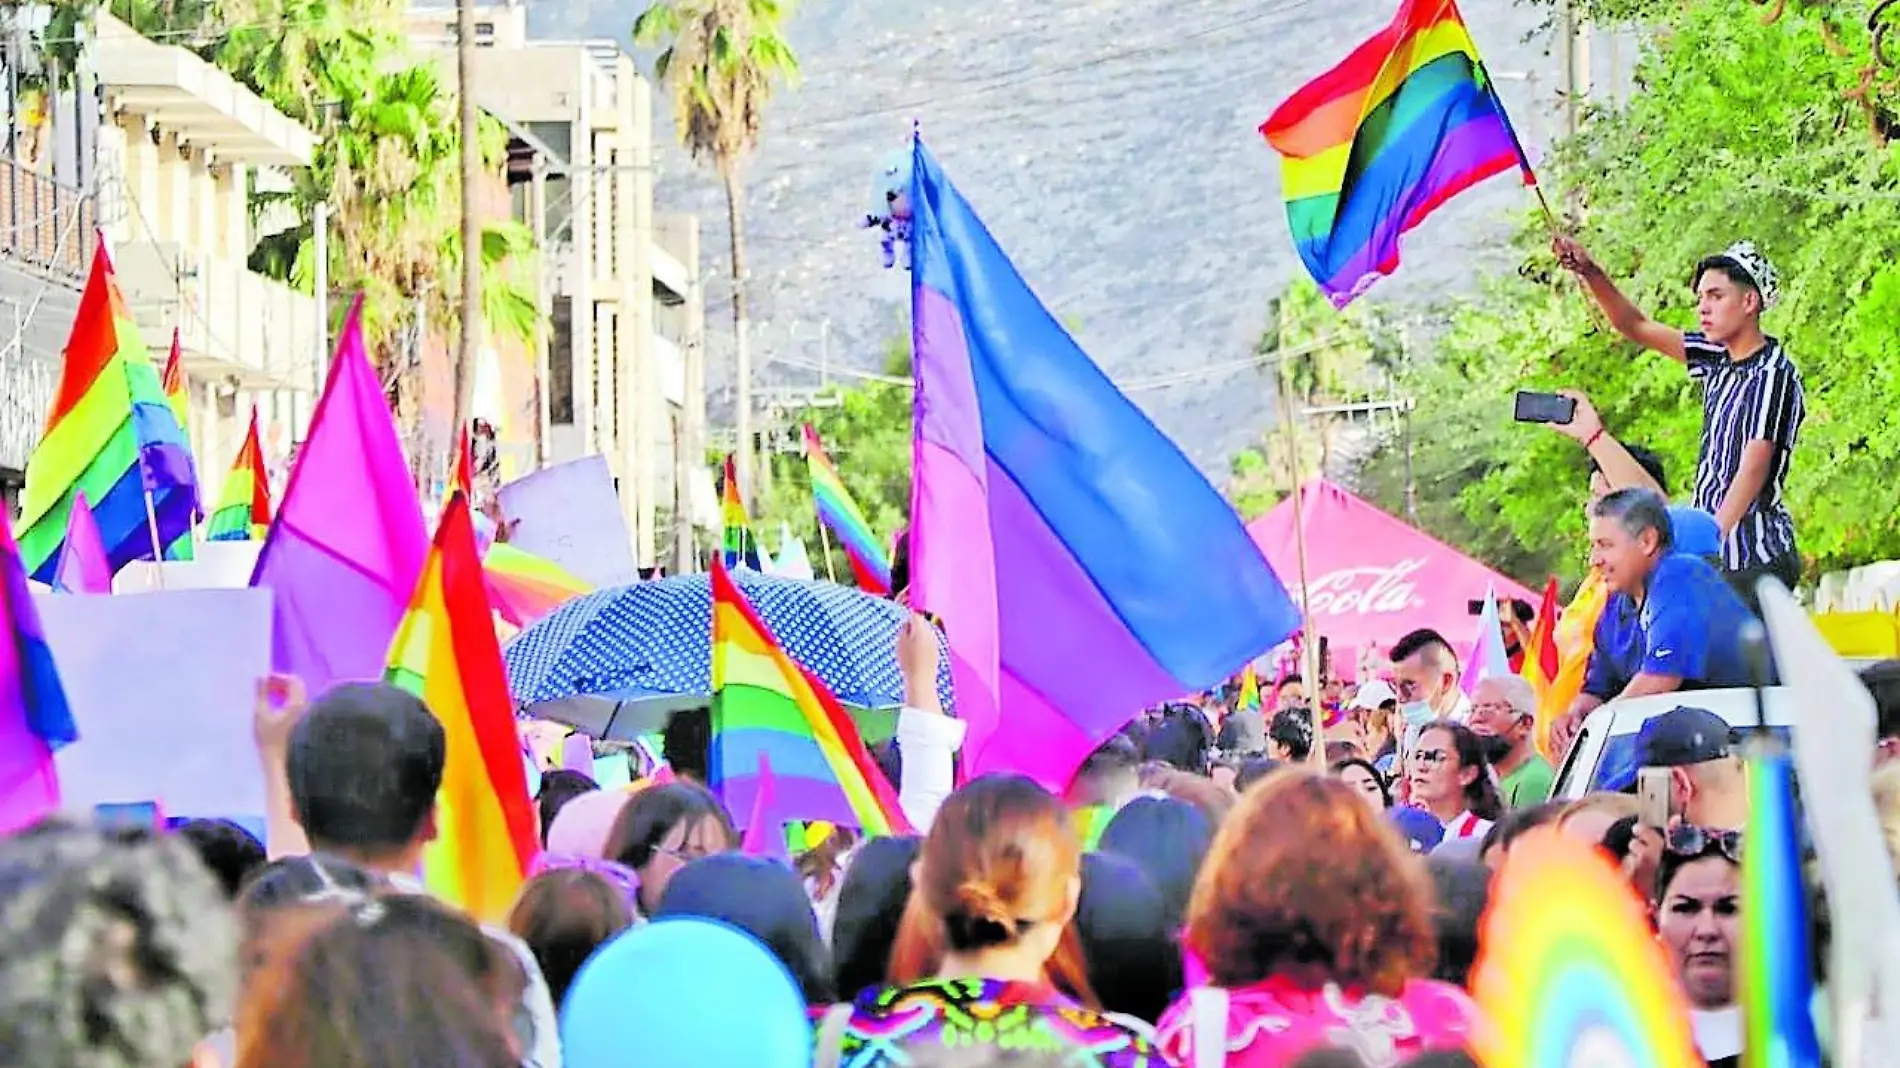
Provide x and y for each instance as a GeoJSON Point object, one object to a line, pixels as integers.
{"type": "Point", "coordinates": [1496, 747]}
{"type": "Point", "coordinates": [1416, 713]}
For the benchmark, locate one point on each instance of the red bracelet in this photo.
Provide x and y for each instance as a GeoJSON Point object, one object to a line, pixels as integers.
{"type": "Point", "coordinates": [1593, 439]}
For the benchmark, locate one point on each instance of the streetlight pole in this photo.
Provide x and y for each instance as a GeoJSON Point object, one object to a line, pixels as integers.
{"type": "Point", "coordinates": [469, 337]}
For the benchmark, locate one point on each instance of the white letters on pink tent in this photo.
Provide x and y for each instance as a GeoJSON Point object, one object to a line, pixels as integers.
{"type": "Point", "coordinates": [1371, 577]}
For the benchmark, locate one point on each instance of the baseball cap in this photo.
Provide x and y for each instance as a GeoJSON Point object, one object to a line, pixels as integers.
{"type": "Point", "coordinates": [1694, 531]}
{"type": "Point", "coordinates": [1683, 735]}
{"type": "Point", "coordinates": [1373, 694]}
{"type": "Point", "coordinates": [1420, 829]}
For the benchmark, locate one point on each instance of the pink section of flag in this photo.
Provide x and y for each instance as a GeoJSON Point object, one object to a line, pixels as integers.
{"type": "Point", "coordinates": [35, 719]}
{"type": "Point", "coordinates": [1488, 658]}
{"type": "Point", "coordinates": [83, 567]}
{"type": "Point", "coordinates": [761, 838]}
{"type": "Point", "coordinates": [348, 542]}
{"type": "Point", "coordinates": [577, 754]}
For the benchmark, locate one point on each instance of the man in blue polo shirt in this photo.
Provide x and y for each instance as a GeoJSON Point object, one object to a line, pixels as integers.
{"type": "Point", "coordinates": [1673, 622]}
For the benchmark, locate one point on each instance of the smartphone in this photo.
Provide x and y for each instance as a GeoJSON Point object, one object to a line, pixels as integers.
{"type": "Point", "coordinates": [128, 816]}
{"type": "Point", "coordinates": [1544, 408]}
{"type": "Point", "coordinates": [1652, 797]}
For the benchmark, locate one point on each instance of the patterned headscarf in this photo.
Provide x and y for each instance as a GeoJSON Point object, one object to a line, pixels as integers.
{"type": "Point", "coordinates": [1745, 255]}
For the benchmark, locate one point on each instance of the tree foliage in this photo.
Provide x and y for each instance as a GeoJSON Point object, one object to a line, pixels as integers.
{"type": "Point", "coordinates": [1741, 128]}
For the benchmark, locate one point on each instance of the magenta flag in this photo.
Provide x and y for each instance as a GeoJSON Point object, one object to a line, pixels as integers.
{"type": "Point", "coordinates": [83, 567]}
{"type": "Point", "coordinates": [35, 719]}
{"type": "Point", "coordinates": [346, 548]}
{"type": "Point", "coordinates": [1083, 568]}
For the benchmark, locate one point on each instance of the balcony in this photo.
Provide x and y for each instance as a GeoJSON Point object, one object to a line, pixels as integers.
{"type": "Point", "coordinates": [45, 227]}
{"type": "Point", "coordinates": [249, 331]}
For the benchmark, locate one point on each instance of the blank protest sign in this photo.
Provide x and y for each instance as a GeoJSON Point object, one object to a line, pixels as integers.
{"type": "Point", "coordinates": [570, 514]}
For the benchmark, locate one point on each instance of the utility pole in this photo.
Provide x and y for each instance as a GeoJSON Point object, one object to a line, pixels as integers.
{"type": "Point", "coordinates": [1402, 407]}
{"type": "Point", "coordinates": [469, 339]}
{"type": "Point", "coordinates": [1576, 53]}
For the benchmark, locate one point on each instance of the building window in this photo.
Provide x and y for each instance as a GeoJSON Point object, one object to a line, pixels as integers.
{"type": "Point", "coordinates": [561, 362]}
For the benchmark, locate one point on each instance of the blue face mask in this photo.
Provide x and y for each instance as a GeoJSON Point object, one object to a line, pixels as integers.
{"type": "Point", "coordinates": [1417, 713]}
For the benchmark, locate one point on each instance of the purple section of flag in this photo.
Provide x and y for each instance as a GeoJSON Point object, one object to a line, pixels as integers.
{"type": "Point", "coordinates": [348, 543]}
{"type": "Point", "coordinates": [762, 837]}
{"type": "Point", "coordinates": [83, 567]}
{"type": "Point", "coordinates": [35, 719]}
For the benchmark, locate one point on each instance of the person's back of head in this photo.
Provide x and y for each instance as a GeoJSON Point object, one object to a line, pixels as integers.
{"type": "Point", "coordinates": [1292, 733]}
{"type": "Point", "coordinates": [1128, 941]}
{"type": "Point", "coordinates": [564, 915]}
{"type": "Point", "coordinates": [1001, 870]}
{"type": "Point", "coordinates": [228, 851]}
{"type": "Point", "coordinates": [1109, 776]}
{"type": "Point", "coordinates": [1254, 770]}
{"type": "Point", "coordinates": [364, 765]}
{"type": "Point", "coordinates": [1168, 839]}
{"type": "Point", "coordinates": [1647, 459]}
{"type": "Point", "coordinates": [116, 951]}
{"type": "Point", "coordinates": [766, 900]}
{"type": "Point", "coordinates": [870, 906]}
{"type": "Point", "coordinates": [558, 787]}
{"type": "Point", "coordinates": [1463, 891]}
{"type": "Point", "coordinates": [392, 979]}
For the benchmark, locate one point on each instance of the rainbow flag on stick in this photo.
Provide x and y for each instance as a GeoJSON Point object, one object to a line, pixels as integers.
{"type": "Point", "coordinates": [35, 719]}
{"type": "Point", "coordinates": [840, 515]}
{"type": "Point", "coordinates": [445, 652]}
{"type": "Point", "coordinates": [82, 560]}
{"type": "Point", "coordinates": [111, 434]}
{"type": "Point", "coordinates": [243, 512]}
{"type": "Point", "coordinates": [1775, 978]}
{"type": "Point", "coordinates": [741, 545]}
{"type": "Point", "coordinates": [1370, 148]}
{"type": "Point", "coordinates": [172, 381]}
{"type": "Point", "coordinates": [769, 713]}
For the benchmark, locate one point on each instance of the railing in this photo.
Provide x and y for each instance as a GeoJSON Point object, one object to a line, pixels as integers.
{"type": "Point", "coordinates": [27, 381]}
{"type": "Point", "coordinates": [43, 224]}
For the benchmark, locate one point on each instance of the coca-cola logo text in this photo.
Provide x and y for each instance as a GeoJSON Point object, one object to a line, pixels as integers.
{"type": "Point", "coordinates": [1365, 590]}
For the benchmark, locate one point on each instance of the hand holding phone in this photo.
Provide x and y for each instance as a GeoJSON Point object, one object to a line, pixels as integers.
{"type": "Point", "coordinates": [1544, 408]}
{"type": "Point", "coordinates": [1653, 797]}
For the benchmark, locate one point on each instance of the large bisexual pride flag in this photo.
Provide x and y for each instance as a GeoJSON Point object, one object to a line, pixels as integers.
{"type": "Point", "coordinates": [1406, 122]}
{"type": "Point", "coordinates": [1083, 568]}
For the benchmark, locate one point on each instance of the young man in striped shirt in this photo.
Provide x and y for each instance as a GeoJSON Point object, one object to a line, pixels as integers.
{"type": "Point", "coordinates": [1752, 402]}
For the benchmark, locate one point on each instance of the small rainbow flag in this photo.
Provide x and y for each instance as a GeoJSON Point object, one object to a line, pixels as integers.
{"type": "Point", "coordinates": [172, 381]}
{"type": "Point", "coordinates": [1774, 974]}
{"type": "Point", "coordinates": [1370, 148]}
{"type": "Point", "coordinates": [445, 652]}
{"type": "Point", "coordinates": [35, 719]}
{"type": "Point", "coordinates": [770, 713]}
{"type": "Point", "coordinates": [112, 434]}
{"type": "Point", "coordinates": [840, 514]}
{"type": "Point", "coordinates": [1541, 661]}
{"type": "Point", "coordinates": [1574, 634]}
{"type": "Point", "coordinates": [1249, 690]}
{"type": "Point", "coordinates": [523, 587]}
{"type": "Point", "coordinates": [1568, 971]}
{"type": "Point", "coordinates": [243, 512]}
{"type": "Point", "coordinates": [741, 545]}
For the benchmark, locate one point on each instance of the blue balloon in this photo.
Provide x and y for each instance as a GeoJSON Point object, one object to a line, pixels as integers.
{"type": "Point", "coordinates": [684, 992]}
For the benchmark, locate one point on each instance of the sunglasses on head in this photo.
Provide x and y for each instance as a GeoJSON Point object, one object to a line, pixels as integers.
{"type": "Point", "coordinates": [1688, 840]}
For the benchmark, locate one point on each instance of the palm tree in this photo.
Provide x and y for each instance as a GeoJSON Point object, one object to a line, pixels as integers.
{"type": "Point", "coordinates": [722, 59]}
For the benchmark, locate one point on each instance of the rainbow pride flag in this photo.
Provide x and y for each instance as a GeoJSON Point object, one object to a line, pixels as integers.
{"type": "Point", "coordinates": [1249, 690]}
{"type": "Point", "coordinates": [446, 653]}
{"type": "Point", "coordinates": [243, 512]}
{"type": "Point", "coordinates": [172, 381]}
{"type": "Point", "coordinates": [781, 742]}
{"type": "Point", "coordinates": [523, 587]}
{"type": "Point", "coordinates": [110, 433]}
{"type": "Point", "coordinates": [35, 719]}
{"type": "Point", "coordinates": [1774, 969]}
{"type": "Point", "coordinates": [740, 544]}
{"type": "Point", "coordinates": [1568, 971]}
{"type": "Point", "coordinates": [840, 514]}
{"type": "Point", "coordinates": [1370, 148]}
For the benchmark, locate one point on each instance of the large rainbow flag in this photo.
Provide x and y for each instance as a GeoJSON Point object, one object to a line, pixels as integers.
{"type": "Point", "coordinates": [243, 512]}
{"type": "Point", "coordinates": [783, 748]}
{"type": "Point", "coordinates": [110, 433]}
{"type": "Point", "coordinates": [1052, 523]}
{"type": "Point", "coordinates": [1370, 148]}
{"type": "Point", "coordinates": [840, 514]}
{"type": "Point", "coordinates": [741, 546]}
{"type": "Point", "coordinates": [446, 653]}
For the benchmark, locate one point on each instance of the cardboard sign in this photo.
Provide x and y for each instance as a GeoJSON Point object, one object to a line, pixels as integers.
{"type": "Point", "coordinates": [162, 687]}
{"type": "Point", "coordinates": [570, 514]}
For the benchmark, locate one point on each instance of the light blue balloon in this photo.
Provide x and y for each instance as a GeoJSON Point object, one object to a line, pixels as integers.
{"type": "Point", "coordinates": [684, 992]}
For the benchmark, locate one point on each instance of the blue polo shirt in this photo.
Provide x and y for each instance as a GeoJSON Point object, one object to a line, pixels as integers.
{"type": "Point", "coordinates": [1690, 626]}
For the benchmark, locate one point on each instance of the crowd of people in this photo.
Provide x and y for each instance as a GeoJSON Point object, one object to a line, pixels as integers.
{"type": "Point", "coordinates": [1216, 887]}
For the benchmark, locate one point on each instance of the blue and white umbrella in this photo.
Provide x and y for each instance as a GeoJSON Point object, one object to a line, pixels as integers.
{"type": "Point", "coordinates": [616, 663]}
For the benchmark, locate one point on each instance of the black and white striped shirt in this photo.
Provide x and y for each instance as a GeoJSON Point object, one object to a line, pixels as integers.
{"type": "Point", "coordinates": [1756, 399]}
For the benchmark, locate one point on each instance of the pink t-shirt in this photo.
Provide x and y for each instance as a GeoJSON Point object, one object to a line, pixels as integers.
{"type": "Point", "coordinates": [1274, 1022]}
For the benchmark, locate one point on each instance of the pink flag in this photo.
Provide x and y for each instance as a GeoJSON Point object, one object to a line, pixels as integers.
{"type": "Point", "coordinates": [35, 719]}
{"type": "Point", "coordinates": [348, 543]}
{"type": "Point", "coordinates": [1488, 658]}
{"type": "Point", "coordinates": [83, 567]}
{"type": "Point", "coordinates": [577, 754]}
{"type": "Point", "coordinates": [762, 839]}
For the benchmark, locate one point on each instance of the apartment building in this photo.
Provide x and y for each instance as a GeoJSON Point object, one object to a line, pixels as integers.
{"type": "Point", "coordinates": [624, 336]}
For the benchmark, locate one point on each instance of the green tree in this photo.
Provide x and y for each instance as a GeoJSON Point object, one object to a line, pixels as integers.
{"type": "Point", "coordinates": [722, 59]}
{"type": "Point", "coordinates": [1742, 129]}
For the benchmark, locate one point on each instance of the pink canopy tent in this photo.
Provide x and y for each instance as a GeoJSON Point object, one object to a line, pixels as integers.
{"type": "Point", "coordinates": [1372, 577]}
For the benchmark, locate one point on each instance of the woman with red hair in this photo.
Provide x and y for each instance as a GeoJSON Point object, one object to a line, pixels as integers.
{"type": "Point", "coordinates": [986, 953]}
{"type": "Point", "coordinates": [1314, 922]}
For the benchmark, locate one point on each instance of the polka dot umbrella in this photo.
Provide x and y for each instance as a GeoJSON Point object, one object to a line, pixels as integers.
{"type": "Point", "coordinates": [617, 663]}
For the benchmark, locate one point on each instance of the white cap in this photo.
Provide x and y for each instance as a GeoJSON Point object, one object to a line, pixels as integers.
{"type": "Point", "coordinates": [1373, 694]}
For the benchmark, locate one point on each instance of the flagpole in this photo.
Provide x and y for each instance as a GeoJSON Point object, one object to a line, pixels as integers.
{"type": "Point", "coordinates": [151, 527]}
{"type": "Point", "coordinates": [824, 537]}
{"type": "Point", "coordinates": [1309, 647]}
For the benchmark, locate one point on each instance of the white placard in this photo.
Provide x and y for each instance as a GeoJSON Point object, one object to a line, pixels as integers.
{"type": "Point", "coordinates": [570, 514]}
